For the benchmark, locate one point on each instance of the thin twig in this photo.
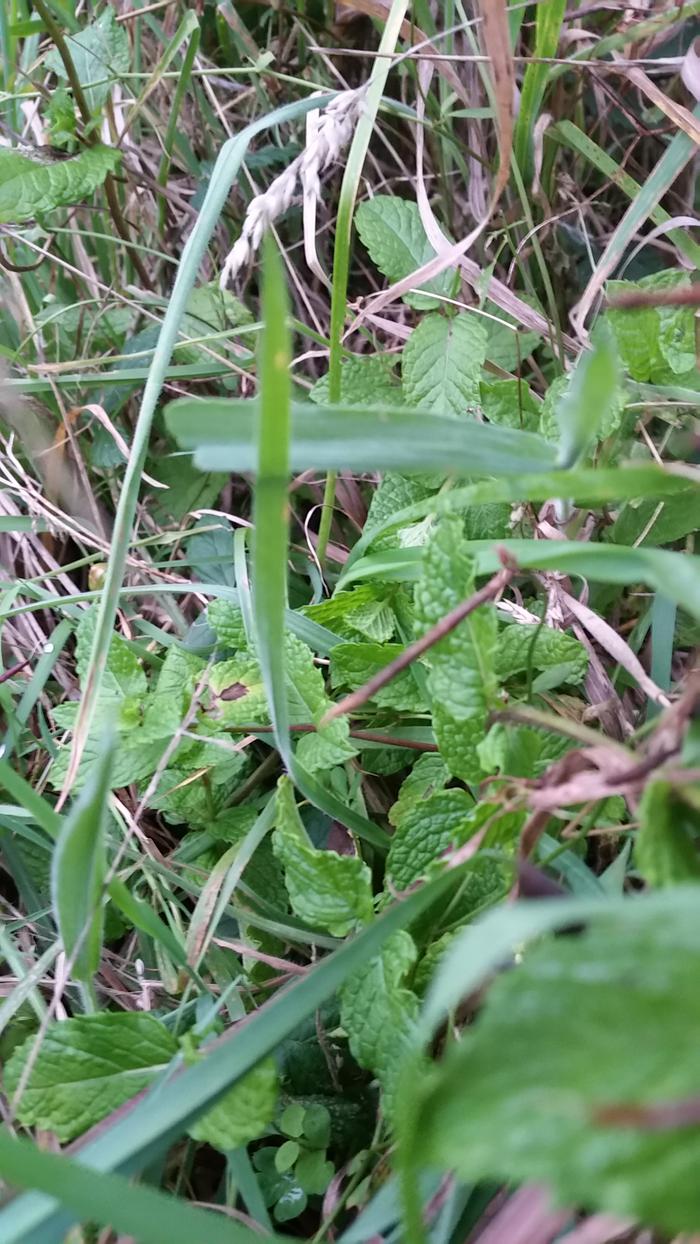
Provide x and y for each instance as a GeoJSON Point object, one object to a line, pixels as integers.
{"type": "Point", "coordinates": [633, 298]}
{"type": "Point", "coordinates": [489, 592]}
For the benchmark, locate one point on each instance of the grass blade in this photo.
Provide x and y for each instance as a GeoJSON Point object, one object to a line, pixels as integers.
{"type": "Point", "coordinates": [222, 432]}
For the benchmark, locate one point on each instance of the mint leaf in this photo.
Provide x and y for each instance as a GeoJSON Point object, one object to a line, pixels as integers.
{"type": "Point", "coordinates": [429, 774]}
{"type": "Point", "coordinates": [87, 1067]}
{"type": "Point", "coordinates": [394, 493]}
{"type": "Point", "coordinates": [364, 381]}
{"type": "Point", "coordinates": [123, 675]}
{"type": "Point", "coordinates": [329, 891]}
{"type": "Point", "coordinates": [236, 692]}
{"type": "Point", "coordinates": [354, 664]}
{"type": "Point", "coordinates": [425, 831]}
{"type": "Point", "coordinates": [511, 404]}
{"type": "Point", "coordinates": [226, 621]}
{"type": "Point", "coordinates": [379, 1013]}
{"type": "Point", "coordinates": [520, 751]}
{"type": "Point", "coordinates": [462, 681]}
{"type": "Point", "coordinates": [172, 696]}
{"type": "Point", "coordinates": [665, 848]}
{"type": "Point", "coordinates": [330, 745]}
{"type": "Point", "coordinates": [100, 54]}
{"type": "Point", "coordinates": [392, 231]}
{"type": "Point", "coordinates": [543, 1087]}
{"type": "Point", "coordinates": [243, 1114]}
{"type": "Point", "coordinates": [363, 610]}
{"type": "Point", "coordinates": [441, 363]}
{"type": "Point", "coordinates": [530, 646]}
{"type": "Point", "coordinates": [29, 187]}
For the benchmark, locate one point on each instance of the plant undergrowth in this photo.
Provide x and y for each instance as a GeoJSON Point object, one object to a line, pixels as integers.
{"type": "Point", "coordinates": [349, 613]}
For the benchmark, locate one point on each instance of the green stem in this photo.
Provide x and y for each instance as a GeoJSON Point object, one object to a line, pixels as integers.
{"type": "Point", "coordinates": [169, 143]}
{"type": "Point", "coordinates": [343, 234]}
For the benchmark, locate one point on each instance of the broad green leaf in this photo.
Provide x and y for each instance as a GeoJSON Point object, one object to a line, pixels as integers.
{"type": "Point", "coordinates": [327, 890]}
{"type": "Point", "coordinates": [510, 403]}
{"type": "Point", "coordinates": [462, 681]}
{"type": "Point", "coordinates": [651, 339]}
{"type": "Point", "coordinates": [78, 870]}
{"type": "Point", "coordinates": [647, 523]}
{"type": "Point", "coordinates": [362, 611]}
{"type": "Point", "coordinates": [428, 774]}
{"type": "Point", "coordinates": [226, 620]}
{"type": "Point", "coordinates": [542, 1088]}
{"type": "Point", "coordinates": [426, 830]}
{"type": "Point", "coordinates": [123, 676]}
{"type": "Point", "coordinates": [665, 848]}
{"type": "Point", "coordinates": [354, 664]}
{"type": "Point", "coordinates": [364, 381]}
{"type": "Point", "coordinates": [87, 1067]}
{"type": "Point", "coordinates": [506, 347]}
{"type": "Point", "coordinates": [379, 1013]}
{"type": "Point", "coordinates": [520, 751]}
{"type": "Point", "coordinates": [222, 434]}
{"type": "Point", "coordinates": [329, 745]}
{"type": "Point", "coordinates": [392, 231]}
{"type": "Point", "coordinates": [236, 692]}
{"type": "Point", "coordinates": [441, 364]}
{"type": "Point", "coordinates": [243, 1113]}
{"type": "Point", "coordinates": [530, 646]}
{"type": "Point", "coordinates": [100, 54]}
{"type": "Point", "coordinates": [30, 187]}
{"type": "Point", "coordinates": [172, 696]}
{"type": "Point", "coordinates": [210, 309]}
{"type": "Point", "coordinates": [589, 398]}
{"type": "Point", "coordinates": [394, 493]}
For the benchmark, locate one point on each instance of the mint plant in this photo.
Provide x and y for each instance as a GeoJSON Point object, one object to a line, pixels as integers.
{"type": "Point", "coordinates": [349, 819]}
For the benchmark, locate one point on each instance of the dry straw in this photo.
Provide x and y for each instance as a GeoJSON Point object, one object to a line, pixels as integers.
{"type": "Point", "coordinates": [333, 133]}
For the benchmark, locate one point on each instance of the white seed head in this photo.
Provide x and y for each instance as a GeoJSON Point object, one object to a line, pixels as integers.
{"type": "Point", "coordinates": [333, 133]}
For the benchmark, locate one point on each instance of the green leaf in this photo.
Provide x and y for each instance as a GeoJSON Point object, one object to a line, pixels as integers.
{"type": "Point", "coordinates": [589, 399]}
{"type": "Point", "coordinates": [226, 621]}
{"type": "Point", "coordinates": [506, 347]}
{"type": "Point", "coordinates": [314, 1172]}
{"type": "Point", "coordinates": [30, 187]}
{"type": "Point", "coordinates": [651, 339]}
{"type": "Point", "coordinates": [394, 494]}
{"type": "Point", "coordinates": [78, 870]}
{"type": "Point", "coordinates": [379, 1013]}
{"type": "Point", "coordinates": [520, 751]}
{"type": "Point", "coordinates": [237, 693]}
{"type": "Point", "coordinates": [330, 745]}
{"type": "Point", "coordinates": [354, 664]}
{"type": "Point", "coordinates": [665, 850]}
{"type": "Point", "coordinates": [425, 830]}
{"type": "Point", "coordinates": [100, 54]}
{"type": "Point", "coordinates": [523, 1096]}
{"type": "Point", "coordinates": [441, 364]}
{"type": "Point", "coordinates": [530, 646]}
{"type": "Point", "coordinates": [364, 381]}
{"type": "Point", "coordinates": [243, 1113]}
{"type": "Point", "coordinates": [172, 696]}
{"type": "Point", "coordinates": [392, 231]}
{"type": "Point", "coordinates": [462, 682]}
{"type": "Point", "coordinates": [428, 775]}
{"type": "Point", "coordinates": [510, 403]}
{"type": "Point", "coordinates": [86, 1068]}
{"type": "Point", "coordinates": [222, 433]}
{"type": "Point", "coordinates": [327, 890]}
{"type": "Point", "coordinates": [123, 675]}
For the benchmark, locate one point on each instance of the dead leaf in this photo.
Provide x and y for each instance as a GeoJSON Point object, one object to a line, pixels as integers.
{"type": "Point", "coordinates": [496, 39]}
